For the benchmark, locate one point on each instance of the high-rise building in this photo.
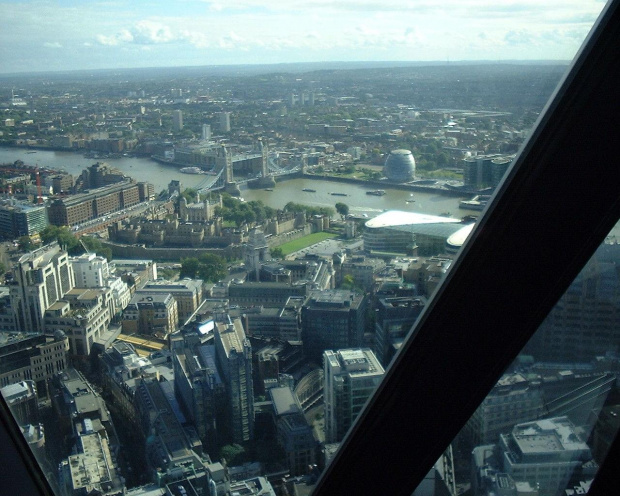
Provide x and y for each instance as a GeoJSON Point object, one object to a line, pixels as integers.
{"type": "Point", "coordinates": [225, 122]}
{"type": "Point", "coordinates": [351, 377]}
{"type": "Point", "coordinates": [206, 132]}
{"type": "Point", "coordinates": [177, 120]}
{"type": "Point", "coordinates": [21, 219]}
{"type": "Point", "coordinates": [585, 322]}
{"type": "Point", "coordinates": [234, 356]}
{"type": "Point", "coordinates": [40, 279]}
{"type": "Point", "coordinates": [332, 319]}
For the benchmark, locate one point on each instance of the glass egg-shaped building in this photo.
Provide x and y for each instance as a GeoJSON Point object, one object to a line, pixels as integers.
{"type": "Point", "coordinates": [399, 166]}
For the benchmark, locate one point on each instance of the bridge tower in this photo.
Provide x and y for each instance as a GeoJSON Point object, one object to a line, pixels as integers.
{"type": "Point", "coordinates": [224, 162]}
{"type": "Point", "coordinates": [266, 180]}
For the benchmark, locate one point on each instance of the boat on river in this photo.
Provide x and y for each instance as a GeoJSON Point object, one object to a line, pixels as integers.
{"type": "Point", "coordinates": [191, 170]}
{"type": "Point", "coordinates": [376, 192]}
{"type": "Point", "coordinates": [309, 190]}
{"type": "Point", "coordinates": [339, 194]}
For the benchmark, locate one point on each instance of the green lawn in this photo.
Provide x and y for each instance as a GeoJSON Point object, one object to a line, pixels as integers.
{"type": "Point", "coordinates": [301, 243]}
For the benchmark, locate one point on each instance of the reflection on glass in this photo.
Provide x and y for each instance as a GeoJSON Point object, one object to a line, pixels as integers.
{"type": "Point", "coordinates": [236, 362]}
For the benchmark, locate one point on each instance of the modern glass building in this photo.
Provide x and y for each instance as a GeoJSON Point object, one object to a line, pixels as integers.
{"type": "Point", "coordinates": [399, 166]}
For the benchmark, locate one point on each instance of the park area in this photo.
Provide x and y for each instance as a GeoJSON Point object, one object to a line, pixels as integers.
{"type": "Point", "coordinates": [301, 243]}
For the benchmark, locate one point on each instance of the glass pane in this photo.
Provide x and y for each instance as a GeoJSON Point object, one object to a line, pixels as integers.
{"type": "Point", "coordinates": [360, 181]}
{"type": "Point", "coordinates": [547, 425]}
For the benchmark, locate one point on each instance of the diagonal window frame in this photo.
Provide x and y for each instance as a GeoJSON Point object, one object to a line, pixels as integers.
{"type": "Point", "coordinates": [557, 204]}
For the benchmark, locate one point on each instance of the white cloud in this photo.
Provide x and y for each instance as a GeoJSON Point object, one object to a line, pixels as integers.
{"type": "Point", "coordinates": [52, 44]}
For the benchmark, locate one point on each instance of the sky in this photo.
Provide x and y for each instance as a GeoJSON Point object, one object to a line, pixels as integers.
{"type": "Point", "coordinates": [42, 35]}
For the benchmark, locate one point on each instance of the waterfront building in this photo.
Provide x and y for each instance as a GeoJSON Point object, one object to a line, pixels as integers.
{"type": "Point", "coordinates": [21, 218]}
{"type": "Point", "coordinates": [484, 171]}
{"type": "Point", "coordinates": [396, 231]}
{"type": "Point", "coordinates": [234, 358]}
{"type": "Point", "coordinates": [332, 319]}
{"type": "Point", "coordinates": [40, 279]}
{"type": "Point", "coordinates": [400, 166]}
{"type": "Point", "coordinates": [351, 377]}
{"type": "Point", "coordinates": [96, 203]}
{"type": "Point", "coordinates": [34, 358]}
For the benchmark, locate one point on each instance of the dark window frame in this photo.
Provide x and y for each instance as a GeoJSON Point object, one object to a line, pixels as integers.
{"type": "Point", "coordinates": [543, 224]}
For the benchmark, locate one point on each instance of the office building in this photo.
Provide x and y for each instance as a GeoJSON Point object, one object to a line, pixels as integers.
{"type": "Point", "coordinates": [206, 132]}
{"type": "Point", "coordinates": [484, 171]}
{"type": "Point", "coordinates": [40, 279]}
{"type": "Point", "coordinates": [585, 322]}
{"type": "Point", "coordinates": [294, 433]}
{"type": "Point", "coordinates": [90, 270]}
{"type": "Point", "coordinates": [187, 293]}
{"type": "Point", "coordinates": [351, 377]}
{"type": "Point", "coordinates": [283, 322]}
{"type": "Point", "coordinates": [153, 314]}
{"type": "Point", "coordinates": [84, 315]}
{"type": "Point", "coordinates": [394, 318]}
{"type": "Point", "coordinates": [332, 319]}
{"type": "Point", "coordinates": [32, 358]}
{"type": "Point", "coordinates": [177, 120]}
{"type": "Point", "coordinates": [362, 270]}
{"type": "Point", "coordinates": [200, 389]}
{"type": "Point", "coordinates": [225, 122]}
{"type": "Point", "coordinates": [21, 398]}
{"type": "Point", "coordinates": [21, 219]}
{"type": "Point", "coordinates": [545, 454]}
{"type": "Point", "coordinates": [408, 232]}
{"type": "Point", "coordinates": [234, 357]}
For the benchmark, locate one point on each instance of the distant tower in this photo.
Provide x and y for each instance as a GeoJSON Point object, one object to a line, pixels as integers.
{"type": "Point", "coordinates": [292, 99]}
{"type": "Point", "coordinates": [265, 158]}
{"type": "Point", "coordinates": [206, 132]}
{"type": "Point", "coordinates": [311, 98]}
{"type": "Point", "coordinates": [177, 120]}
{"type": "Point", "coordinates": [225, 122]}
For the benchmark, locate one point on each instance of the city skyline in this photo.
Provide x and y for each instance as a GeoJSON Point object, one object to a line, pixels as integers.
{"type": "Point", "coordinates": [57, 36]}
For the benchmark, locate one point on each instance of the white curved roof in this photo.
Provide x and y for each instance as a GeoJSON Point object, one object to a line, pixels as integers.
{"type": "Point", "coordinates": [396, 218]}
{"type": "Point", "coordinates": [459, 237]}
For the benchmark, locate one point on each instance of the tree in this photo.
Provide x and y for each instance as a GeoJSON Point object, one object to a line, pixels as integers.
{"type": "Point", "coordinates": [211, 267]}
{"type": "Point", "coordinates": [277, 252]}
{"type": "Point", "coordinates": [342, 209]}
{"type": "Point", "coordinates": [189, 267]}
{"type": "Point", "coordinates": [234, 454]}
{"type": "Point", "coordinates": [25, 243]}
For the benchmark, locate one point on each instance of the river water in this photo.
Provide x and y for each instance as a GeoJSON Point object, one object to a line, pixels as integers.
{"type": "Point", "coordinates": [143, 169]}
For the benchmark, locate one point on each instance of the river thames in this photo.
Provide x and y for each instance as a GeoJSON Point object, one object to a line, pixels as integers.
{"type": "Point", "coordinates": [144, 169]}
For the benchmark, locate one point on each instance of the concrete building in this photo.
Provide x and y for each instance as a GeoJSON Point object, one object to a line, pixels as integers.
{"type": "Point", "coordinates": [546, 454]}
{"type": "Point", "coordinates": [32, 357]}
{"type": "Point", "coordinates": [225, 122]}
{"type": "Point", "coordinates": [268, 294]}
{"type": "Point", "coordinates": [155, 314]}
{"type": "Point", "coordinates": [21, 219]}
{"type": "Point", "coordinates": [21, 398]}
{"type": "Point", "coordinates": [90, 271]}
{"type": "Point", "coordinates": [294, 433]}
{"type": "Point", "coordinates": [333, 319]}
{"type": "Point", "coordinates": [427, 273]}
{"type": "Point", "coordinates": [282, 323]}
{"type": "Point", "coordinates": [206, 132]}
{"type": "Point", "coordinates": [177, 120]}
{"type": "Point", "coordinates": [98, 202]}
{"type": "Point", "coordinates": [40, 279]}
{"type": "Point", "coordinates": [351, 377]}
{"type": "Point", "coordinates": [92, 469]}
{"type": "Point", "coordinates": [234, 357]}
{"type": "Point", "coordinates": [187, 293]}
{"type": "Point", "coordinates": [83, 315]}
{"type": "Point", "coordinates": [362, 269]}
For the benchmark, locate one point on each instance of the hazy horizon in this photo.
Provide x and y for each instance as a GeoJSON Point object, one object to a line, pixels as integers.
{"type": "Point", "coordinates": [67, 35]}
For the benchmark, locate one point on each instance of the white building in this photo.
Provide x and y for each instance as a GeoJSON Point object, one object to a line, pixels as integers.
{"type": "Point", "coordinates": [41, 278]}
{"type": "Point", "coordinates": [351, 377]}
